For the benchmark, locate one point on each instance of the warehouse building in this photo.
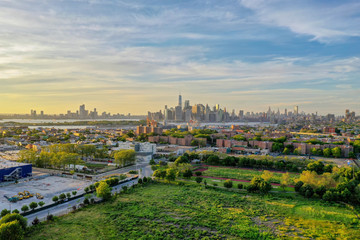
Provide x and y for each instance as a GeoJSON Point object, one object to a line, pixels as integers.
{"type": "Point", "coordinates": [11, 171]}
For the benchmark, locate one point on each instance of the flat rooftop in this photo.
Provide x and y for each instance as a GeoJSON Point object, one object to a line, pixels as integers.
{"type": "Point", "coordinates": [9, 164]}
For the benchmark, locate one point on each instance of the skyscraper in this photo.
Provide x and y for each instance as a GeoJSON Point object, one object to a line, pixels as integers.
{"type": "Point", "coordinates": [296, 110]}
{"type": "Point", "coordinates": [180, 101]}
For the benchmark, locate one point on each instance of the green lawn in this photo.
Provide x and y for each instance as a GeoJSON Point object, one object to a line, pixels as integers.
{"type": "Point", "coordinates": [170, 211]}
{"type": "Point", "coordinates": [242, 174]}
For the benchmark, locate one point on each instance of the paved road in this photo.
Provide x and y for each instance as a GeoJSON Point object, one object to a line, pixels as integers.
{"type": "Point", "coordinates": [61, 209]}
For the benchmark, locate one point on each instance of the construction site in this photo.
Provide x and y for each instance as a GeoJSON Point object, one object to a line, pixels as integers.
{"type": "Point", "coordinates": [12, 171]}
{"type": "Point", "coordinates": [14, 196]}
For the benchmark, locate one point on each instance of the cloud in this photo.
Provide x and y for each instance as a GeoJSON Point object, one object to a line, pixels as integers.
{"type": "Point", "coordinates": [326, 21]}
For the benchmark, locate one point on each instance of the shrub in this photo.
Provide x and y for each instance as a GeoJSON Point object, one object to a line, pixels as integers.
{"type": "Point", "coordinates": [228, 183]}
{"type": "Point", "coordinates": [215, 184]}
{"type": "Point", "coordinates": [133, 172]}
{"type": "Point", "coordinates": [86, 189]}
{"type": "Point", "coordinates": [68, 195]}
{"type": "Point", "coordinates": [145, 179]}
{"type": "Point", "coordinates": [187, 173]}
{"type": "Point", "coordinates": [198, 179]}
{"type": "Point", "coordinates": [140, 181]}
{"type": "Point", "coordinates": [33, 205]}
{"type": "Point", "coordinates": [86, 201]}
{"type": "Point", "coordinates": [24, 208]}
{"type": "Point", "coordinates": [240, 186]}
{"type": "Point", "coordinates": [124, 188]}
{"type": "Point", "coordinates": [36, 221]}
{"type": "Point", "coordinates": [74, 193]}
{"type": "Point", "coordinates": [14, 217]}
{"type": "Point", "coordinates": [298, 185]}
{"type": "Point", "coordinates": [307, 191]}
{"type": "Point", "coordinates": [4, 212]}
{"type": "Point", "coordinates": [198, 173]}
{"type": "Point", "coordinates": [103, 190]}
{"type": "Point", "coordinates": [320, 191]}
{"type": "Point", "coordinates": [50, 217]}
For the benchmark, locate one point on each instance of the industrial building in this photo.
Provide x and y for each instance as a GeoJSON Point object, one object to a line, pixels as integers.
{"type": "Point", "coordinates": [11, 171]}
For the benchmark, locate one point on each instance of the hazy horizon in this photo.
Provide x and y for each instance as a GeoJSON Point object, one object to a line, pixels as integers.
{"type": "Point", "coordinates": [136, 56]}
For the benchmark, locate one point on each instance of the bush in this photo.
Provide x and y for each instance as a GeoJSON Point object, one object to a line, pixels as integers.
{"type": "Point", "coordinates": [145, 180]}
{"type": "Point", "coordinates": [215, 184]}
{"type": "Point", "coordinates": [15, 211]}
{"type": "Point", "coordinates": [87, 189]}
{"type": "Point", "coordinates": [133, 172]}
{"type": "Point", "coordinates": [140, 181]}
{"type": "Point", "coordinates": [320, 191]}
{"type": "Point", "coordinates": [298, 185]}
{"type": "Point", "coordinates": [240, 186]}
{"type": "Point", "coordinates": [228, 183]}
{"type": "Point", "coordinates": [187, 173]}
{"type": "Point", "coordinates": [50, 217]}
{"type": "Point", "coordinates": [198, 173]}
{"type": "Point", "coordinates": [14, 217]}
{"type": "Point", "coordinates": [74, 193]}
{"type": "Point", "coordinates": [4, 212]}
{"type": "Point", "coordinates": [86, 201]}
{"type": "Point", "coordinates": [307, 191]}
{"type": "Point", "coordinates": [124, 188]}
{"type": "Point", "coordinates": [36, 221]}
{"type": "Point", "coordinates": [68, 195]}
{"type": "Point", "coordinates": [198, 179]}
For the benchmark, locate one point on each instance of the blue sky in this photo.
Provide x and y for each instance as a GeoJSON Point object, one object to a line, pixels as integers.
{"type": "Point", "coordinates": [133, 56]}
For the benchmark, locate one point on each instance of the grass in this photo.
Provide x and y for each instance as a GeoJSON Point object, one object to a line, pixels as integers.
{"type": "Point", "coordinates": [242, 174]}
{"type": "Point", "coordinates": [170, 211]}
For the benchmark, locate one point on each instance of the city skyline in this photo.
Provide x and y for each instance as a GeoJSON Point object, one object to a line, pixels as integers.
{"type": "Point", "coordinates": [134, 56]}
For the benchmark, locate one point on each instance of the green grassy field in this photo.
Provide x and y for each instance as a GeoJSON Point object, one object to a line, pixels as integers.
{"type": "Point", "coordinates": [169, 211]}
{"type": "Point", "coordinates": [242, 174]}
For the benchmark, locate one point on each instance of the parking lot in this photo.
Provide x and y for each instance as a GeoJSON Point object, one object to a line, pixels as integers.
{"type": "Point", "coordinates": [47, 187]}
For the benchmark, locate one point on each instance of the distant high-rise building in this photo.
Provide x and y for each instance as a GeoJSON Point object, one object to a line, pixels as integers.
{"type": "Point", "coordinates": [180, 101]}
{"type": "Point", "coordinates": [178, 114]}
{"type": "Point", "coordinates": [296, 110]}
{"type": "Point", "coordinates": [217, 107]}
{"type": "Point", "coordinates": [187, 104]}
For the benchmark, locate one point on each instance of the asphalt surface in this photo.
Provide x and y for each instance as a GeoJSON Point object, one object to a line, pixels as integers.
{"type": "Point", "coordinates": [64, 208]}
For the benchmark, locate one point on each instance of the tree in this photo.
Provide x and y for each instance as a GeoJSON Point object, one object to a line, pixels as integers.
{"type": "Point", "coordinates": [336, 152]}
{"type": "Point", "coordinates": [62, 197]}
{"type": "Point", "coordinates": [327, 152]}
{"type": "Point", "coordinates": [277, 147]}
{"type": "Point", "coordinates": [297, 151]}
{"type": "Point", "coordinates": [103, 190]}
{"type": "Point", "coordinates": [170, 174]}
{"type": "Point", "coordinates": [198, 173]}
{"type": "Point", "coordinates": [15, 211]}
{"type": "Point", "coordinates": [55, 199]}
{"type": "Point", "coordinates": [24, 208]}
{"type": "Point", "coordinates": [4, 212]}
{"type": "Point", "coordinates": [316, 166]}
{"type": "Point", "coordinates": [125, 157]}
{"type": "Point", "coordinates": [187, 173]}
{"type": "Point", "coordinates": [33, 205]}
{"type": "Point", "coordinates": [41, 203]}
{"type": "Point", "coordinates": [198, 179]}
{"type": "Point", "coordinates": [298, 185]}
{"type": "Point", "coordinates": [228, 183]}
{"type": "Point", "coordinates": [285, 180]}
{"type": "Point", "coordinates": [14, 217]}
{"type": "Point", "coordinates": [352, 155]}
{"type": "Point", "coordinates": [11, 231]}
{"type": "Point", "coordinates": [240, 186]}
{"type": "Point", "coordinates": [160, 174]}
{"type": "Point", "coordinates": [267, 175]}
{"type": "Point", "coordinates": [74, 193]}
{"type": "Point", "coordinates": [286, 151]}
{"type": "Point", "coordinates": [258, 184]}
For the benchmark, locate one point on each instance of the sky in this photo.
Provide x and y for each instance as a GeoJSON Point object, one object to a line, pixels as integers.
{"type": "Point", "coordinates": [136, 56]}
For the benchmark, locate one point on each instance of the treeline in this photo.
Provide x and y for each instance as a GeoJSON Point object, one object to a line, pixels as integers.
{"type": "Point", "coordinates": [284, 164]}
{"type": "Point", "coordinates": [60, 156]}
{"type": "Point", "coordinates": [78, 123]}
